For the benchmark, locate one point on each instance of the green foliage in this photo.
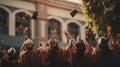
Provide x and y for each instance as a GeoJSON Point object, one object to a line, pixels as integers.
{"type": "Point", "coordinates": [100, 13]}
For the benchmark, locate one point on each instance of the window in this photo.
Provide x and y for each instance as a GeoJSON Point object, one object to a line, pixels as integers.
{"type": "Point", "coordinates": [22, 24]}
{"type": "Point", "coordinates": [73, 29]}
{"type": "Point", "coordinates": [54, 29]}
{"type": "Point", "coordinates": [3, 22]}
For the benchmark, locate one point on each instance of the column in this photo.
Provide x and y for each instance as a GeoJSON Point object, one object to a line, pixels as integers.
{"type": "Point", "coordinates": [41, 27]}
{"type": "Point", "coordinates": [32, 29]}
{"type": "Point", "coordinates": [11, 24]}
{"type": "Point", "coordinates": [83, 33]}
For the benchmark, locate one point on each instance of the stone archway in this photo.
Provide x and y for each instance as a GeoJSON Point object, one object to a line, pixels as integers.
{"type": "Point", "coordinates": [81, 28]}
{"type": "Point", "coordinates": [31, 22]}
{"type": "Point", "coordinates": [62, 26]}
{"type": "Point", "coordinates": [4, 20]}
{"type": "Point", "coordinates": [73, 29]}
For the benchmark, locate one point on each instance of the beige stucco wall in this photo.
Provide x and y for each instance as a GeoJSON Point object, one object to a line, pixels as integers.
{"type": "Point", "coordinates": [52, 12]}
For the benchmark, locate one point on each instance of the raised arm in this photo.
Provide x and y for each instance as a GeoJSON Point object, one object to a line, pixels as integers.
{"type": "Point", "coordinates": [66, 35]}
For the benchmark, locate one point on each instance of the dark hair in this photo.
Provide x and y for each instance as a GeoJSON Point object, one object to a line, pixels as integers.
{"type": "Point", "coordinates": [29, 46]}
{"type": "Point", "coordinates": [103, 42]}
{"type": "Point", "coordinates": [80, 49]}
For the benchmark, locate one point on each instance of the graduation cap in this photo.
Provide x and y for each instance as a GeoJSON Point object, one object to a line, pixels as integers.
{"type": "Point", "coordinates": [103, 41]}
{"type": "Point", "coordinates": [11, 51]}
{"type": "Point", "coordinates": [34, 16]}
{"type": "Point", "coordinates": [74, 12]}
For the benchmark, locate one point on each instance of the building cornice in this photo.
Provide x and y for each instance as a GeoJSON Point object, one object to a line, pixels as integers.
{"type": "Point", "coordinates": [61, 4]}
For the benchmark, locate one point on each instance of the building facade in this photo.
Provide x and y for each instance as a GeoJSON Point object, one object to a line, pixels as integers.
{"type": "Point", "coordinates": [53, 19]}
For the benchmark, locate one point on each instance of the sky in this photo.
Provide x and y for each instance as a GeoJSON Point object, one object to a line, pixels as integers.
{"type": "Point", "coordinates": [75, 1]}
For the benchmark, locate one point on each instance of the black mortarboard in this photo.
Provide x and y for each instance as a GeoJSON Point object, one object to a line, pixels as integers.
{"type": "Point", "coordinates": [34, 16]}
{"type": "Point", "coordinates": [74, 12]}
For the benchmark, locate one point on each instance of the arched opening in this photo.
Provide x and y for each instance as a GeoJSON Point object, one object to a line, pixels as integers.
{"type": "Point", "coordinates": [22, 24]}
{"type": "Point", "coordinates": [3, 21]}
{"type": "Point", "coordinates": [54, 29]}
{"type": "Point", "coordinates": [73, 30]}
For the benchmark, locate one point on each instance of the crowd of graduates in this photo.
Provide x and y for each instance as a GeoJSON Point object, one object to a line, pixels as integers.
{"type": "Point", "coordinates": [76, 53]}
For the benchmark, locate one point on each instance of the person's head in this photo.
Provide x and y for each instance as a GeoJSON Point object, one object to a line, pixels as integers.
{"type": "Point", "coordinates": [80, 48]}
{"type": "Point", "coordinates": [39, 44]}
{"type": "Point", "coordinates": [52, 42]}
{"type": "Point", "coordinates": [55, 47]}
{"type": "Point", "coordinates": [29, 44]}
{"type": "Point", "coordinates": [11, 51]}
{"type": "Point", "coordinates": [103, 41]}
{"type": "Point", "coordinates": [80, 43]}
{"type": "Point", "coordinates": [103, 49]}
